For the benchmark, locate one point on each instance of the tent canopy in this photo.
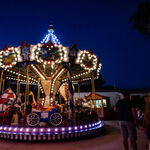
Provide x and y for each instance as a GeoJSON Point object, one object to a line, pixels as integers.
{"type": "Point", "coordinates": [94, 96]}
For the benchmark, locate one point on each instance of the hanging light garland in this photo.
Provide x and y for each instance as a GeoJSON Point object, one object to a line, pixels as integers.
{"type": "Point", "coordinates": [83, 75]}
{"type": "Point", "coordinates": [50, 36]}
{"type": "Point", "coordinates": [22, 78]}
{"type": "Point", "coordinates": [87, 60]}
{"type": "Point", "coordinates": [54, 80]}
{"type": "Point", "coordinates": [8, 57]}
{"type": "Point", "coordinates": [55, 54]}
{"type": "Point", "coordinates": [98, 69]}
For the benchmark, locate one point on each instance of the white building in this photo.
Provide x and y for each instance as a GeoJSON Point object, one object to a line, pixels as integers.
{"type": "Point", "coordinates": [114, 95]}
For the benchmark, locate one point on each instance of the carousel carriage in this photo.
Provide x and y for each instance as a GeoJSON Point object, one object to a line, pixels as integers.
{"type": "Point", "coordinates": [40, 114]}
{"type": "Point", "coordinates": [53, 117]}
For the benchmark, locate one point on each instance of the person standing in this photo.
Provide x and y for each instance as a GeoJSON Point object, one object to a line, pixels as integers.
{"type": "Point", "coordinates": [127, 121]}
{"type": "Point", "coordinates": [147, 117]}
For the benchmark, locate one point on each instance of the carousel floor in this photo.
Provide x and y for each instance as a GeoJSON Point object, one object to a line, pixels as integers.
{"type": "Point", "coordinates": [109, 140]}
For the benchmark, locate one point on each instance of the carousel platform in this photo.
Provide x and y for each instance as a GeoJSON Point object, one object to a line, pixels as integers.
{"type": "Point", "coordinates": [50, 134]}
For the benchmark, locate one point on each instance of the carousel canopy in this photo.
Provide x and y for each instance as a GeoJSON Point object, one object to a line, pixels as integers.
{"type": "Point", "coordinates": [45, 60]}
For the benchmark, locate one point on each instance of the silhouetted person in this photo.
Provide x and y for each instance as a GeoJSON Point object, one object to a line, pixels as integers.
{"type": "Point", "coordinates": [147, 117]}
{"type": "Point", "coordinates": [127, 121]}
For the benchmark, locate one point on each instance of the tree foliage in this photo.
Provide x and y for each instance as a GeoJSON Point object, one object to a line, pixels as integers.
{"type": "Point", "coordinates": [141, 19]}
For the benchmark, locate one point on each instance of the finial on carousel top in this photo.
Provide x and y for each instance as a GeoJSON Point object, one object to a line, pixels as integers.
{"type": "Point", "coordinates": [50, 36]}
{"type": "Point", "coordinates": [51, 28]}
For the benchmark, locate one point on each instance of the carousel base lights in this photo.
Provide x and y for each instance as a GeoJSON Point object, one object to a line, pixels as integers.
{"type": "Point", "coordinates": [48, 134]}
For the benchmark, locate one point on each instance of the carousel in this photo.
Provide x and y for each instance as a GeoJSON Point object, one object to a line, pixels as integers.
{"type": "Point", "coordinates": [37, 85]}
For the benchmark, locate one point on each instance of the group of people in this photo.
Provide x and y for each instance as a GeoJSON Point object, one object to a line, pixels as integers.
{"type": "Point", "coordinates": [128, 120]}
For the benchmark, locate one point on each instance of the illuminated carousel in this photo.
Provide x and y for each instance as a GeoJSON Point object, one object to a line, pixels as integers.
{"type": "Point", "coordinates": [37, 86]}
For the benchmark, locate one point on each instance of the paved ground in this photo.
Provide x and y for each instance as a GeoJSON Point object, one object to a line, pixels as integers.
{"type": "Point", "coordinates": [110, 140]}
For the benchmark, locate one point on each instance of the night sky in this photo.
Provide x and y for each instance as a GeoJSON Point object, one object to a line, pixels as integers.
{"type": "Point", "coordinates": [102, 26]}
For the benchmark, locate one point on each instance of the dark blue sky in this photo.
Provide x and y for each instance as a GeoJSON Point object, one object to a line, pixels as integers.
{"type": "Point", "coordinates": [99, 25]}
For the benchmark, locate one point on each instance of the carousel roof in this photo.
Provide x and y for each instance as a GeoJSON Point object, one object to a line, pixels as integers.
{"type": "Point", "coordinates": [45, 60]}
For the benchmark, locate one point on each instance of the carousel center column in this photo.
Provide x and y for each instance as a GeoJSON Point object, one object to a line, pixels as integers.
{"type": "Point", "coordinates": [46, 86]}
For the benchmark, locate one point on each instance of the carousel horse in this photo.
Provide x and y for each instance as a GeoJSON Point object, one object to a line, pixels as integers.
{"type": "Point", "coordinates": [32, 99]}
{"type": "Point", "coordinates": [7, 99]}
{"type": "Point", "coordinates": [63, 90]}
{"type": "Point", "coordinates": [8, 104]}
